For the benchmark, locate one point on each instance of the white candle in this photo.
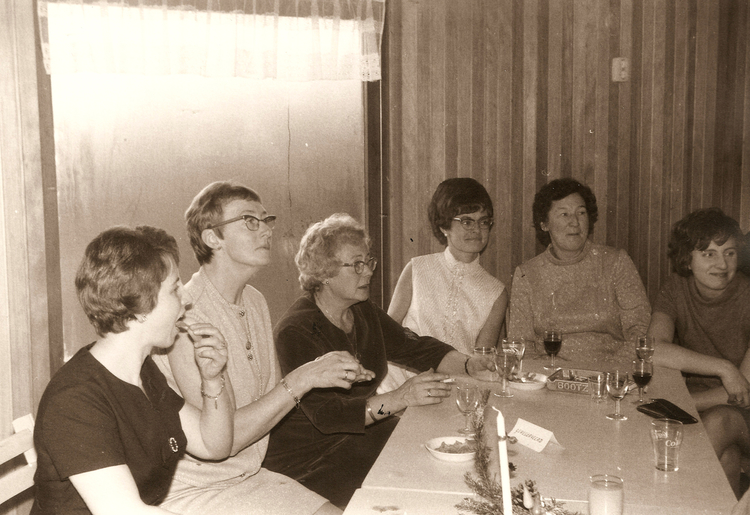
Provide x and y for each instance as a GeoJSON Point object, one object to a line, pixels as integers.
{"type": "Point", "coordinates": [504, 465]}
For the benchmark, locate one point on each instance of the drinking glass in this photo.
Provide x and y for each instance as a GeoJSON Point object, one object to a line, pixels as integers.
{"type": "Point", "coordinates": [606, 495]}
{"type": "Point", "coordinates": [505, 360]}
{"type": "Point", "coordinates": [519, 346]}
{"type": "Point", "coordinates": [552, 344]}
{"type": "Point", "coordinates": [644, 348]}
{"type": "Point", "coordinates": [488, 354]}
{"type": "Point", "coordinates": [643, 370]}
{"type": "Point", "coordinates": [467, 399]}
{"type": "Point", "coordinates": [617, 386]}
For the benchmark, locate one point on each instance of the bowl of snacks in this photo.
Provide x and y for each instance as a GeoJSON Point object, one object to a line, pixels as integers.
{"type": "Point", "coordinates": [452, 448]}
{"type": "Point", "coordinates": [529, 381]}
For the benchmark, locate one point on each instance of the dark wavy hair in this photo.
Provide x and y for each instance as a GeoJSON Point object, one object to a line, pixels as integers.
{"type": "Point", "coordinates": [696, 231]}
{"type": "Point", "coordinates": [453, 197]}
{"type": "Point", "coordinates": [121, 274]}
{"type": "Point", "coordinates": [207, 208]}
{"type": "Point", "coordinates": [558, 189]}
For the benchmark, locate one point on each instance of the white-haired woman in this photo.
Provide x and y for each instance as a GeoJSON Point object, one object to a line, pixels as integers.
{"type": "Point", "coordinates": [332, 441]}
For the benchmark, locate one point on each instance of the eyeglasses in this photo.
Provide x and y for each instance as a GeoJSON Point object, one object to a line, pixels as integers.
{"type": "Point", "coordinates": [359, 266]}
{"type": "Point", "coordinates": [251, 222]}
{"type": "Point", "coordinates": [469, 223]}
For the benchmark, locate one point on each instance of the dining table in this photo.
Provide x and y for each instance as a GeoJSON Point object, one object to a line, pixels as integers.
{"type": "Point", "coordinates": [407, 479]}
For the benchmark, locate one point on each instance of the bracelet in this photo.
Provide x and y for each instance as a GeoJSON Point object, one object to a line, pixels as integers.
{"type": "Point", "coordinates": [214, 397]}
{"type": "Point", "coordinates": [288, 389]}
{"type": "Point", "coordinates": [466, 366]}
{"type": "Point", "coordinates": [369, 410]}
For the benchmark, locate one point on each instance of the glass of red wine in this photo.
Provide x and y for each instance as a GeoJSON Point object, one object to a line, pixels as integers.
{"type": "Point", "coordinates": [643, 371]}
{"type": "Point", "coordinates": [552, 344]}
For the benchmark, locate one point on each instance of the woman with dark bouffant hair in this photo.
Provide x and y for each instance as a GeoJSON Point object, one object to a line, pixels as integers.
{"type": "Point", "coordinates": [701, 326]}
{"type": "Point", "coordinates": [449, 295]}
{"type": "Point", "coordinates": [590, 292]}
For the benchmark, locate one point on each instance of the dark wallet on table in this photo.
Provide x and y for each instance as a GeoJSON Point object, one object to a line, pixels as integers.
{"type": "Point", "coordinates": [662, 408]}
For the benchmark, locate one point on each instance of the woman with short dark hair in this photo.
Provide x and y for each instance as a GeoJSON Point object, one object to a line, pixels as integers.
{"type": "Point", "coordinates": [109, 430]}
{"type": "Point", "coordinates": [701, 326]}
{"type": "Point", "coordinates": [591, 293]}
{"type": "Point", "coordinates": [449, 295]}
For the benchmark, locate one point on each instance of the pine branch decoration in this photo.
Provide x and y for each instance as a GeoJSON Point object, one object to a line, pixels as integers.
{"type": "Point", "coordinates": [489, 489]}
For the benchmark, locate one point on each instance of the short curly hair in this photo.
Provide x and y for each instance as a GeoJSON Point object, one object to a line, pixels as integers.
{"type": "Point", "coordinates": [121, 274]}
{"type": "Point", "coordinates": [316, 259]}
{"type": "Point", "coordinates": [558, 189]}
{"type": "Point", "coordinates": [453, 197]}
{"type": "Point", "coordinates": [696, 231]}
{"type": "Point", "coordinates": [207, 208]}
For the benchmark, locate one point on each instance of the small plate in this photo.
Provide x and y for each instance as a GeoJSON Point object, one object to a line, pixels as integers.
{"type": "Point", "coordinates": [435, 443]}
{"type": "Point", "coordinates": [538, 382]}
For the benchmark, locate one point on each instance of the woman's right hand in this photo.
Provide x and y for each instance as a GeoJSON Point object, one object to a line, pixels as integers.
{"type": "Point", "coordinates": [736, 385]}
{"type": "Point", "coordinates": [425, 388]}
{"type": "Point", "coordinates": [336, 369]}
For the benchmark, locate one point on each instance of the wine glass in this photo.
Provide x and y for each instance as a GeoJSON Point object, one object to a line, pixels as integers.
{"type": "Point", "coordinates": [467, 399]}
{"type": "Point", "coordinates": [552, 344]}
{"type": "Point", "coordinates": [519, 346]}
{"type": "Point", "coordinates": [617, 387]}
{"type": "Point", "coordinates": [644, 348]}
{"type": "Point", "coordinates": [506, 360]}
{"type": "Point", "coordinates": [643, 370]}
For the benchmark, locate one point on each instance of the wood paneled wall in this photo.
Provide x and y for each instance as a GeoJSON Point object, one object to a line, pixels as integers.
{"type": "Point", "coordinates": [518, 92]}
{"type": "Point", "coordinates": [25, 297]}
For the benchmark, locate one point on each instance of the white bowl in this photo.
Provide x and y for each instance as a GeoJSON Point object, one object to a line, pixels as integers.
{"type": "Point", "coordinates": [537, 383]}
{"type": "Point", "coordinates": [433, 444]}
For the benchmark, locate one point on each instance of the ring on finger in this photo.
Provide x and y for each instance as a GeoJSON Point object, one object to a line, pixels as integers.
{"type": "Point", "coordinates": [429, 394]}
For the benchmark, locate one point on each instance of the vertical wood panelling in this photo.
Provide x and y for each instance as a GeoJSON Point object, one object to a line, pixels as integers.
{"type": "Point", "coordinates": [520, 92]}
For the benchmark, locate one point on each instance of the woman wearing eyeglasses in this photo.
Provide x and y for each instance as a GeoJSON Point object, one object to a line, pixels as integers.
{"type": "Point", "coordinates": [449, 295]}
{"type": "Point", "coordinates": [231, 233]}
{"type": "Point", "coordinates": [330, 443]}
{"type": "Point", "coordinates": [590, 292]}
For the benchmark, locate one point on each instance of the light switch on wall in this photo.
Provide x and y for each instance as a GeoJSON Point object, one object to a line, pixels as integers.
{"type": "Point", "coordinates": [620, 69]}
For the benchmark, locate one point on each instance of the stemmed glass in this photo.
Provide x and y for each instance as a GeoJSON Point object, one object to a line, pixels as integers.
{"type": "Point", "coordinates": [519, 346]}
{"type": "Point", "coordinates": [644, 348]}
{"type": "Point", "coordinates": [552, 344]}
{"type": "Point", "coordinates": [643, 370]}
{"type": "Point", "coordinates": [617, 386]}
{"type": "Point", "coordinates": [506, 360]}
{"type": "Point", "coordinates": [467, 399]}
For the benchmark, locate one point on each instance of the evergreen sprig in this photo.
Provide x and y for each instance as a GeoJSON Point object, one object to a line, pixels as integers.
{"type": "Point", "coordinates": [488, 488]}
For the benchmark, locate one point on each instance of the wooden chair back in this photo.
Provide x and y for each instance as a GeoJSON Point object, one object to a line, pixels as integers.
{"type": "Point", "coordinates": [20, 477]}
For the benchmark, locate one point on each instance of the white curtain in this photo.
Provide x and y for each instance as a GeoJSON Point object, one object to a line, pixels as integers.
{"type": "Point", "coordinates": [295, 40]}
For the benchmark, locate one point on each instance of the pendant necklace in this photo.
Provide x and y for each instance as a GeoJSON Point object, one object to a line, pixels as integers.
{"type": "Point", "coordinates": [244, 315]}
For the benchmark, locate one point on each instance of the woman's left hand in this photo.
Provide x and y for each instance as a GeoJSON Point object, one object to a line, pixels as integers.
{"type": "Point", "coordinates": [210, 349]}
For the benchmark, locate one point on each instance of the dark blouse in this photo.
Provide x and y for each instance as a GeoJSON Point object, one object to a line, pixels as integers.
{"type": "Point", "coordinates": [329, 417]}
{"type": "Point", "coordinates": [88, 419]}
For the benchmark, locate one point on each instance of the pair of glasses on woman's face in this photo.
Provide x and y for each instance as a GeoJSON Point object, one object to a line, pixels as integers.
{"type": "Point", "coordinates": [359, 266]}
{"type": "Point", "coordinates": [251, 222]}
{"type": "Point", "coordinates": [470, 224]}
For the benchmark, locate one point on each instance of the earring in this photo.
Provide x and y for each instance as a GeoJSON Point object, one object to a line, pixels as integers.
{"type": "Point", "coordinates": [141, 318]}
{"type": "Point", "coordinates": [326, 282]}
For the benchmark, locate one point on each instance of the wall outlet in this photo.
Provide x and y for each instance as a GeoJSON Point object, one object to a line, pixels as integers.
{"type": "Point", "coordinates": [620, 69]}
